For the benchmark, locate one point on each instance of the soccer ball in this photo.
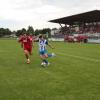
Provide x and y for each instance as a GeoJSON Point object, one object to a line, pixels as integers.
{"type": "Point", "coordinates": [53, 55]}
{"type": "Point", "coordinates": [43, 64]}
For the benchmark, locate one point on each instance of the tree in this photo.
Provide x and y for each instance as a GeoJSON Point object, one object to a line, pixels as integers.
{"type": "Point", "coordinates": [47, 31]}
{"type": "Point", "coordinates": [23, 30]}
{"type": "Point", "coordinates": [20, 32]}
{"type": "Point", "coordinates": [30, 30]}
{"type": "Point", "coordinates": [4, 32]}
{"type": "Point", "coordinates": [37, 32]}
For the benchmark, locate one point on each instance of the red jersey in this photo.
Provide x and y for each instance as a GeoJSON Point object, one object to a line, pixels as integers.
{"type": "Point", "coordinates": [27, 42]}
{"type": "Point", "coordinates": [30, 39]}
{"type": "Point", "coordinates": [24, 40]}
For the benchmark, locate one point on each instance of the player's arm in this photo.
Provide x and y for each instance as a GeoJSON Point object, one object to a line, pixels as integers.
{"type": "Point", "coordinates": [36, 39]}
{"type": "Point", "coordinates": [33, 43]}
{"type": "Point", "coordinates": [20, 39]}
{"type": "Point", "coordinates": [49, 45]}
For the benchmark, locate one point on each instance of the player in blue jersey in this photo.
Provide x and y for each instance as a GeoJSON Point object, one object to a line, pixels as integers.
{"type": "Point", "coordinates": [43, 51]}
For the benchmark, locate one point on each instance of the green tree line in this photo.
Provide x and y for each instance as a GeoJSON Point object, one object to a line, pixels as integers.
{"type": "Point", "coordinates": [30, 30]}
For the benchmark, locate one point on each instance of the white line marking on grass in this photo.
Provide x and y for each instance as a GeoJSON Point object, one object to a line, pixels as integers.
{"type": "Point", "coordinates": [79, 57]}
{"type": "Point", "coordinates": [53, 75]}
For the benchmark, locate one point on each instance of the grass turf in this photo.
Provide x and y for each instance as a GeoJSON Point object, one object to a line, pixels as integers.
{"type": "Point", "coordinates": [74, 74]}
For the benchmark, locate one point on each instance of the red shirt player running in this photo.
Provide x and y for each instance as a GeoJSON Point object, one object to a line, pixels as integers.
{"type": "Point", "coordinates": [27, 44]}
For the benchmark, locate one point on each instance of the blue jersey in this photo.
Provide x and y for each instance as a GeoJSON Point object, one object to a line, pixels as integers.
{"type": "Point", "coordinates": [42, 44]}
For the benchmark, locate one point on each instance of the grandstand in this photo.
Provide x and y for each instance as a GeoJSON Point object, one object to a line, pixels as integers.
{"type": "Point", "coordinates": [87, 23]}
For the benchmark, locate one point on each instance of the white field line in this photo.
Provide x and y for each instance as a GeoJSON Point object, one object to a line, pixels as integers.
{"type": "Point", "coordinates": [80, 57]}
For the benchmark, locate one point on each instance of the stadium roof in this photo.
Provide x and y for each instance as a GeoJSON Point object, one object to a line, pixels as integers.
{"type": "Point", "coordinates": [87, 17]}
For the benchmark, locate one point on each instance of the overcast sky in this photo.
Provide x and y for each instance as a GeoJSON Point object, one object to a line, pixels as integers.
{"type": "Point", "coordinates": [16, 14]}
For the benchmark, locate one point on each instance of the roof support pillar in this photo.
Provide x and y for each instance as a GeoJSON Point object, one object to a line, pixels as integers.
{"type": "Point", "coordinates": [60, 25]}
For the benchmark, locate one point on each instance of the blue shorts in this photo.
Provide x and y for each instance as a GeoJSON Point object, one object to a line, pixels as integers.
{"type": "Point", "coordinates": [43, 52]}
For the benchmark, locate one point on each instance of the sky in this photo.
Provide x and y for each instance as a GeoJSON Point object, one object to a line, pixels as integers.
{"type": "Point", "coordinates": [17, 14]}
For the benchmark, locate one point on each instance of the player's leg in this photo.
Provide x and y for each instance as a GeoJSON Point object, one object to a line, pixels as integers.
{"type": "Point", "coordinates": [27, 56]}
{"type": "Point", "coordinates": [45, 56]}
{"type": "Point", "coordinates": [49, 55]}
{"type": "Point", "coordinates": [44, 59]}
{"type": "Point", "coordinates": [30, 50]}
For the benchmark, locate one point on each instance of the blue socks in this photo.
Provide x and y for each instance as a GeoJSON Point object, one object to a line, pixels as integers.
{"type": "Point", "coordinates": [49, 55]}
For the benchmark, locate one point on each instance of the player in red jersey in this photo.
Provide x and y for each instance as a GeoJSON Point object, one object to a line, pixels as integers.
{"type": "Point", "coordinates": [27, 43]}
{"type": "Point", "coordinates": [31, 43]}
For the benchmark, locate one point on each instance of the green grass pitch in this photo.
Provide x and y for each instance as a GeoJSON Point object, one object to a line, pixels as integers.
{"type": "Point", "coordinates": [74, 74]}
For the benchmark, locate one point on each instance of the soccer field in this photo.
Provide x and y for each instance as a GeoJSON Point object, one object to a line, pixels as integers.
{"type": "Point", "coordinates": [74, 74]}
